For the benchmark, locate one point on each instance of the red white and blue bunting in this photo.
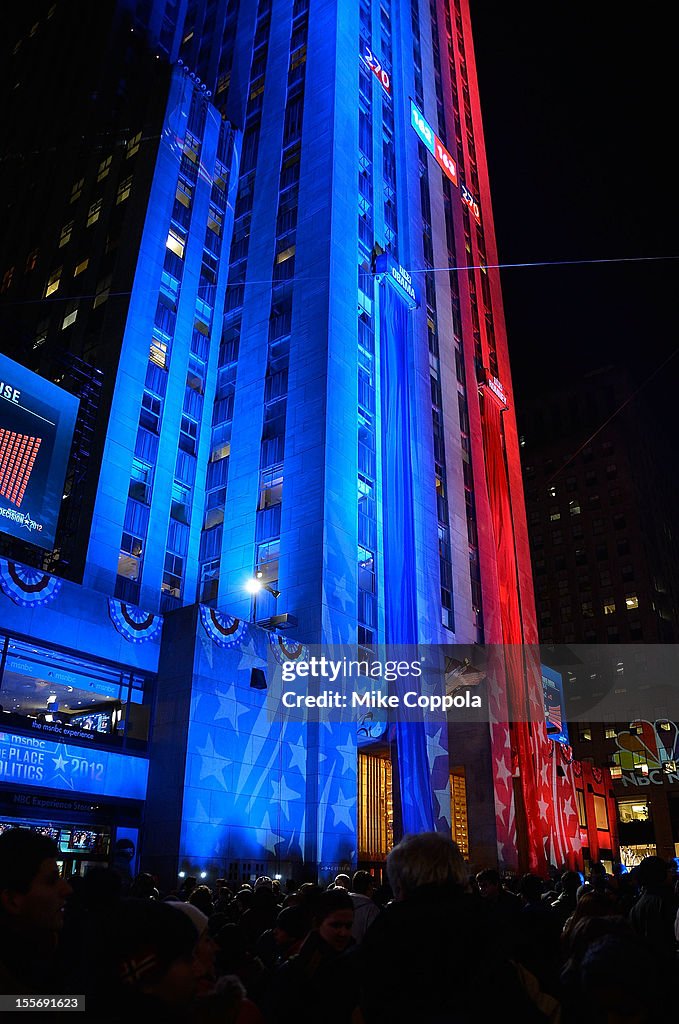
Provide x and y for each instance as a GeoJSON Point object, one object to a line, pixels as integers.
{"type": "Point", "coordinates": [134, 624]}
{"type": "Point", "coordinates": [223, 630]}
{"type": "Point", "coordinates": [285, 650]}
{"type": "Point", "coordinates": [26, 586]}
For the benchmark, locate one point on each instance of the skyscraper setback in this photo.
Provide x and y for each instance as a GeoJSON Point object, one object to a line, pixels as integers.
{"type": "Point", "coordinates": [265, 262]}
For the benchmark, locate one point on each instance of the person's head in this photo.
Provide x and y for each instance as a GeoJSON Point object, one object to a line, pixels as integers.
{"type": "Point", "coordinates": [205, 947]}
{"type": "Point", "coordinates": [292, 925]}
{"type": "Point", "coordinates": [263, 882]}
{"type": "Point", "coordinates": [201, 897]}
{"type": "Point", "coordinates": [342, 881]}
{"type": "Point", "coordinates": [333, 917]}
{"type": "Point", "coordinates": [428, 858]}
{"type": "Point", "coordinates": [570, 882]}
{"type": "Point", "coordinates": [653, 873]}
{"type": "Point", "coordinates": [32, 892]}
{"type": "Point", "coordinates": [489, 883]}
{"type": "Point", "coordinates": [150, 948]}
{"type": "Point", "coordinates": [531, 888]}
{"type": "Point", "coordinates": [362, 883]}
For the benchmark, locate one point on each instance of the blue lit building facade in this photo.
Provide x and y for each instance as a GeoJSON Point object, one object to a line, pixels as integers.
{"type": "Point", "coordinates": [221, 269]}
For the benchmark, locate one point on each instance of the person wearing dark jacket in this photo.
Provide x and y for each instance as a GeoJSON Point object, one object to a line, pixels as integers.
{"type": "Point", "coordinates": [432, 955]}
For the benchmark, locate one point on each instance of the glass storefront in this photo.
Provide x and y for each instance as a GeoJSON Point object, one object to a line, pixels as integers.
{"type": "Point", "coordinates": [58, 694]}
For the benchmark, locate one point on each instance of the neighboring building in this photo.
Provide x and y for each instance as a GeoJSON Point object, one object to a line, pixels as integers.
{"type": "Point", "coordinates": [601, 497]}
{"type": "Point", "coordinates": [240, 260]}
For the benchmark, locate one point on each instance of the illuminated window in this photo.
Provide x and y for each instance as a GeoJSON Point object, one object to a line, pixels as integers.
{"type": "Point", "coordinates": [209, 580]}
{"type": "Point", "coordinates": [158, 352]}
{"type": "Point", "coordinates": [53, 282]}
{"type": "Point", "coordinates": [140, 481]}
{"type": "Point", "coordinates": [129, 558]}
{"type": "Point", "coordinates": [609, 606]}
{"type": "Point", "coordinates": [93, 212]}
{"type": "Point", "coordinates": [124, 189]}
{"type": "Point", "coordinates": [586, 735]}
{"type": "Point", "coordinates": [458, 812]}
{"type": "Point", "coordinates": [69, 319]}
{"type": "Point", "coordinates": [133, 146]}
{"type": "Point", "coordinates": [375, 813]}
{"type": "Point", "coordinates": [610, 733]}
{"type": "Point", "coordinates": [631, 601]}
{"type": "Point", "coordinates": [80, 267]}
{"type": "Point", "coordinates": [172, 576]}
{"type": "Point", "coordinates": [223, 82]}
{"type": "Point", "coordinates": [184, 192]}
{"type": "Point", "coordinates": [176, 243]}
{"type": "Point", "coordinates": [574, 507]}
{"type": "Point", "coordinates": [77, 189]}
{"type": "Point", "coordinates": [632, 810]}
{"type": "Point", "coordinates": [601, 813]}
{"type": "Point", "coordinates": [104, 168]}
{"type": "Point", "coordinates": [66, 233]}
{"type": "Point", "coordinates": [214, 221]}
{"type": "Point", "coordinates": [285, 254]}
{"type": "Point", "coordinates": [582, 814]}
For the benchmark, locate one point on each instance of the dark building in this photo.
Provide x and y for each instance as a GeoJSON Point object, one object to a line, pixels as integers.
{"type": "Point", "coordinates": [600, 478]}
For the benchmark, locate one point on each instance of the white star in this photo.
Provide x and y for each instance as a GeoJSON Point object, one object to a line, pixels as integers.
{"type": "Point", "coordinates": [59, 763]}
{"type": "Point", "coordinates": [297, 755]}
{"type": "Point", "coordinates": [543, 773]}
{"type": "Point", "coordinates": [443, 797]}
{"type": "Point", "coordinates": [229, 707]}
{"type": "Point", "coordinates": [544, 807]}
{"type": "Point", "coordinates": [341, 593]}
{"type": "Point", "coordinates": [434, 748]}
{"type": "Point", "coordinates": [568, 808]}
{"type": "Point", "coordinates": [503, 772]}
{"type": "Point", "coordinates": [282, 794]}
{"type": "Point", "coordinates": [266, 837]}
{"type": "Point", "coordinates": [341, 810]}
{"type": "Point", "coordinates": [212, 763]}
{"type": "Point", "coordinates": [348, 754]}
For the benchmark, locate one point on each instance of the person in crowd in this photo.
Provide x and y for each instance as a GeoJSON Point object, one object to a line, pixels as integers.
{"type": "Point", "coordinates": [32, 899]}
{"type": "Point", "coordinates": [502, 904]}
{"type": "Point", "coordinates": [260, 915]}
{"type": "Point", "coordinates": [144, 887]}
{"type": "Point", "coordinates": [342, 881]}
{"type": "Point", "coordinates": [538, 939]}
{"type": "Point", "coordinates": [365, 908]}
{"type": "Point", "coordinates": [186, 888]}
{"type": "Point", "coordinates": [432, 955]}
{"type": "Point", "coordinates": [201, 897]}
{"type": "Point", "coordinates": [654, 912]}
{"type": "Point", "coordinates": [285, 939]}
{"type": "Point", "coordinates": [314, 985]}
{"type": "Point", "coordinates": [609, 993]}
{"type": "Point", "coordinates": [566, 901]}
{"type": "Point", "coordinates": [143, 965]}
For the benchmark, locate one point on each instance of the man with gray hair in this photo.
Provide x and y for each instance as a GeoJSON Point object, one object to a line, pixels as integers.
{"type": "Point", "coordinates": [431, 955]}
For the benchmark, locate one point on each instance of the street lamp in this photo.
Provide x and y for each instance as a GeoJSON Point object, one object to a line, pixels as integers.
{"type": "Point", "coordinates": [253, 586]}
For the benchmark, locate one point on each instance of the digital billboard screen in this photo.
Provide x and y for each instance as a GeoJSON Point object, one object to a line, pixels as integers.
{"type": "Point", "coordinates": [37, 420]}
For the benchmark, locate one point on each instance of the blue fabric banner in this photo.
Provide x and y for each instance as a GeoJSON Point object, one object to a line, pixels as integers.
{"type": "Point", "coordinates": [399, 547]}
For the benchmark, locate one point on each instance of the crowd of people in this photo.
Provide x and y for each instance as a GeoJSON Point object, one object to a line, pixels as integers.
{"type": "Point", "coordinates": [437, 944]}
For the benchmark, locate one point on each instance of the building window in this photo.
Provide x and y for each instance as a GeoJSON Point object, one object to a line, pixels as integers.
{"type": "Point", "coordinates": [140, 481]}
{"type": "Point", "coordinates": [102, 290]}
{"type": "Point", "coordinates": [76, 191]}
{"type": "Point", "coordinates": [133, 145]}
{"type": "Point", "coordinates": [70, 318]}
{"type": "Point", "coordinates": [172, 575]}
{"type": "Point", "coordinates": [104, 168]}
{"type": "Point", "coordinates": [586, 734]}
{"type": "Point", "coordinates": [609, 606]}
{"type": "Point", "coordinates": [631, 601]}
{"type": "Point", "coordinates": [176, 242]}
{"type": "Point", "coordinates": [94, 212]}
{"type": "Point", "coordinates": [129, 559]}
{"type": "Point", "coordinates": [81, 267]}
{"type": "Point", "coordinates": [53, 282]}
{"type": "Point", "coordinates": [158, 352]}
{"type": "Point", "coordinates": [601, 813]}
{"type": "Point", "coordinates": [66, 233]}
{"type": "Point", "coordinates": [574, 507]}
{"type": "Point", "coordinates": [582, 814]}
{"type": "Point", "coordinates": [124, 189]}
{"type": "Point", "coordinates": [610, 733]}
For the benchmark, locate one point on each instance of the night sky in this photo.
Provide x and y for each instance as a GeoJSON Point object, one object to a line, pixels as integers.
{"type": "Point", "coordinates": [578, 101]}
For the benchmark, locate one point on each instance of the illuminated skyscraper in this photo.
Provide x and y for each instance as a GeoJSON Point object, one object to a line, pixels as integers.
{"type": "Point", "coordinates": [305, 376]}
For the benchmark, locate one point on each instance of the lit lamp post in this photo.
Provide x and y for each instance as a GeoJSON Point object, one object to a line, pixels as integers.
{"type": "Point", "coordinates": [253, 586]}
